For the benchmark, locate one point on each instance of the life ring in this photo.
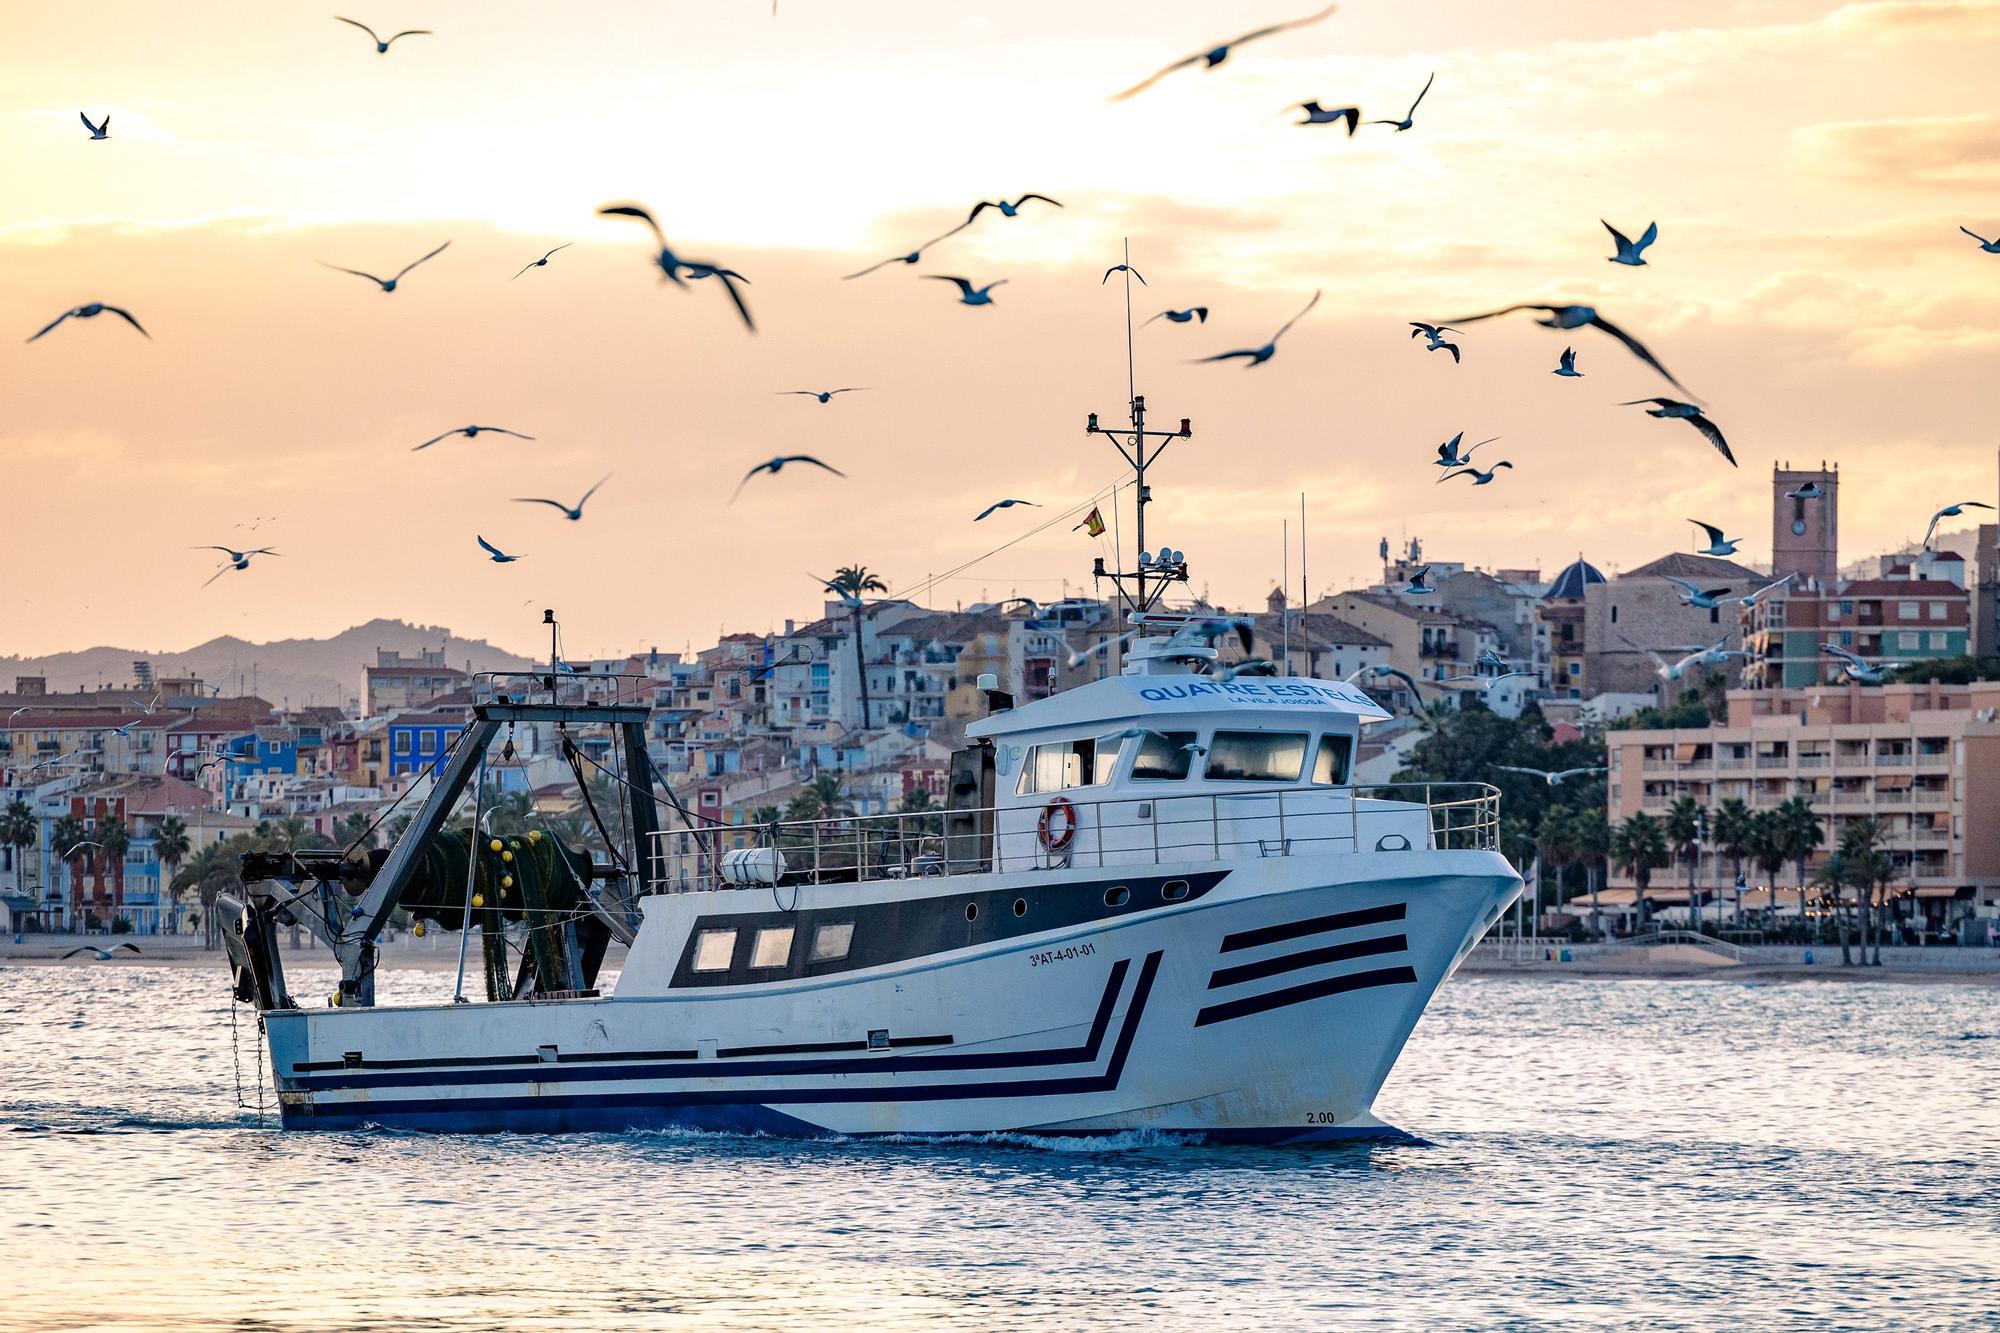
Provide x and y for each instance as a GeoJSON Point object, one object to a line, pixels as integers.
{"type": "Point", "coordinates": [1057, 828]}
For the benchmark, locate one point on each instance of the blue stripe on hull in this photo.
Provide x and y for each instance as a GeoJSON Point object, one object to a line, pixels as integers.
{"type": "Point", "coordinates": [532, 1115]}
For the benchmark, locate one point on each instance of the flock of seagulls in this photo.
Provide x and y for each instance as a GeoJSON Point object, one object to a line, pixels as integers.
{"type": "Point", "coordinates": [681, 271]}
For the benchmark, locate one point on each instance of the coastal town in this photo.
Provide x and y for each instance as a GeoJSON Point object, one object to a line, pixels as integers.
{"type": "Point", "coordinates": [1728, 771]}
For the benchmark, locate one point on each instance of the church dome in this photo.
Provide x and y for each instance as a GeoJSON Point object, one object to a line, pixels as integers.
{"type": "Point", "coordinates": [1573, 580]}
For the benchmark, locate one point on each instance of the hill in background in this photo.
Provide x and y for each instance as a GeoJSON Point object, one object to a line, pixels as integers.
{"type": "Point", "coordinates": [290, 672]}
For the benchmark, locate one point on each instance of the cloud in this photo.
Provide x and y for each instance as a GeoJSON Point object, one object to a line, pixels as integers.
{"type": "Point", "coordinates": [1941, 152]}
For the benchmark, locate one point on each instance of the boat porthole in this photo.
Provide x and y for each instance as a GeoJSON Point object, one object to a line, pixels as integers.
{"type": "Point", "coordinates": [1020, 907]}
{"type": "Point", "coordinates": [1117, 896]}
{"type": "Point", "coordinates": [972, 911]}
{"type": "Point", "coordinates": [1174, 890]}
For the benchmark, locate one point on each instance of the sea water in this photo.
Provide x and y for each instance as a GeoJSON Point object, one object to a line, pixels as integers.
{"type": "Point", "coordinates": [1594, 1154]}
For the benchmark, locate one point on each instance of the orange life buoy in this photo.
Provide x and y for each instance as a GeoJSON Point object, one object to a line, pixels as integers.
{"type": "Point", "coordinates": [1057, 828]}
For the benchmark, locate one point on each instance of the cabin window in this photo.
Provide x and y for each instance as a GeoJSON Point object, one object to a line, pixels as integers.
{"type": "Point", "coordinates": [1330, 765]}
{"type": "Point", "coordinates": [713, 949]}
{"type": "Point", "coordinates": [831, 941]}
{"type": "Point", "coordinates": [1256, 756]}
{"type": "Point", "coordinates": [773, 947]}
{"type": "Point", "coordinates": [1062, 764]}
{"type": "Point", "coordinates": [1164, 756]}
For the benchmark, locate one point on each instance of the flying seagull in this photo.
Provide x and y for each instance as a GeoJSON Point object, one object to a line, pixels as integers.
{"type": "Point", "coordinates": [1811, 490]}
{"type": "Point", "coordinates": [824, 395]}
{"type": "Point", "coordinates": [92, 311]}
{"type": "Point", "coordinates": [1991, 247]}
{"type": "Point", "coordinates": [382, 47]}
{"type": "Point", "coordinates": [1568, 368]}
{"type": "Point", "coordinates": [1210, 628]}
{"type": "Point", "coordinates": [1478, 478]}
{"type": "Point", "coordinates": [1853, 667]}
{"type": "Point", "coordinates": [1005, 504]}
{"type": "Point", "coordinates": [1950, 511]}
{"type": "Point", "coordinates": [1380, 670]}
{"type": "Point", "coordinates": [573, 513]}
{"type": "Point", "coordinates": [498, 556]}
{"type": "Point", "coordinates": [387, 285]}
{"type": "Point", "coordinates": [1077, 659]}
{"type": "Point", "coordinates": [671, 264]}
{"type": "Point", "coordinates": [1708, 599]}
{"type": "Point", "coordinates": [1007, 210]}
{"type": "Point", "coordinates": [1215, 55]}
{"type": "Point", "coordinates": [1319, 115]}
{"type": "Point", "coordinates": [1417, 586]}
{"type": "Point", "coordinates": [97, 132]}
{"type": "Point", "coordinates": [1554, 777]}
{"type": "Point", "coordinates": [914, 255]}
{"type": "Point", "coordinates": [1196, 312]}
{"type": "Point", "coordinates": [1449, 456]}
{"type": "Point", "coordinates": [469, 432]}
{"type": "Point", "coordinates": [148, 707]}
{"type": "Point", "coordinates": [236, 560]}
{"type": "Point", "coordinates": [1632, 253]}
{"type": "Point", "coordinates": [777, 465]}
{"type": "Point", "coordinates": [1122, 268]}
{"type": "Point", "coordinates": [100, 954]}
{"type": "Point", "coordinates": [1257, 356]}
{"type": "Point", "coordinates": [543, 261]}
{"type": "Point", "coordinates": [1410, 119]}
{"type": "Point", "coordinates": [1576, 317]}
{"type": "Point", "coordinates": [1688, 412]}
{"type": "Point", "coordinates": [967, 293]}
{"type": "Point", "coordinates": [1435, 333]}
{"type": "Point", "coordinates": [1718, 545]}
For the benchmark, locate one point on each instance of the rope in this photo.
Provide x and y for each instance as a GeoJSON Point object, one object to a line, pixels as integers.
{"type": "Point", "coordinates": [391, 807]}
{"type": "Point", "coordinates": [1082, 506]}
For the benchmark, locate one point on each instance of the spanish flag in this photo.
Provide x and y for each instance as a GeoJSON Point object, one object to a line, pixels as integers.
{"type": "Point", "coordinates": [1093, 523]}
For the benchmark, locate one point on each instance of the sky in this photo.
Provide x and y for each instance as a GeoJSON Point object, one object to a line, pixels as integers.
{"type": "Point", "coordinates": [1808, 164]}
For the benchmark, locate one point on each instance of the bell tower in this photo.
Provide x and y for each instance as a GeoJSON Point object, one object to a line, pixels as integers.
{"type": "Point", "coordinates": [1805, 533]}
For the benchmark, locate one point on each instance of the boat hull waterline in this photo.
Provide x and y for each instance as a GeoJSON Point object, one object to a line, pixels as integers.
{"type": "Point", "coordinates": [1267, 1007]}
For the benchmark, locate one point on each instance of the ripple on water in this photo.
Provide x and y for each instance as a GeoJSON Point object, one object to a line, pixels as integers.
{"type": "Point", "coordinates": [1596, 1154]}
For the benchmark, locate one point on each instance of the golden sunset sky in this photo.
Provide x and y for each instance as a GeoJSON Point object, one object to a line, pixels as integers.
{"type": "Point", "coordinates": [1809, 165]}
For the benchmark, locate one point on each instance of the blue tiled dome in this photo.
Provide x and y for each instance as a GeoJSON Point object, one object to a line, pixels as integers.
{"type": "Point", "coordinates": [1573, 580]}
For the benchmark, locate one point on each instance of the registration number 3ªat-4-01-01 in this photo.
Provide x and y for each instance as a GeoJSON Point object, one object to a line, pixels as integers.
{"type": "Point", "coordinates": [1067, 953]}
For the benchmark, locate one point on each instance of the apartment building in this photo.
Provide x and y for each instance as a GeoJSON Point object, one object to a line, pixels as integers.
{"type": "Point", "coordinates": [1921, 760]}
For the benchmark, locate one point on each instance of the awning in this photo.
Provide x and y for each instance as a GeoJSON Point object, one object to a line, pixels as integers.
{"type": "Point", "coordinates": [1939, 890]}
{"type": "Point", "coordinates": [1684, 751]}
{"type": "Point", "coordinates": [1894, 782]}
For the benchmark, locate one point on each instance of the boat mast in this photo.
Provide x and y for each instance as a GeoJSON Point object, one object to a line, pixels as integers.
{"type": "Point", "coordinates": [1163, 570]}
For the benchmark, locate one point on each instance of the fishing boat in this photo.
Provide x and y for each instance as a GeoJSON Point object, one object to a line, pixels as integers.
{"type": "Point", "coordinates": [1156, 901]}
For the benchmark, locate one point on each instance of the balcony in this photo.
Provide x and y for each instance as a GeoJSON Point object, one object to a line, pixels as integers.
{"type": "Point", "coordinates": [1849, 799]}
{"type": "Point", "coordinates": [1774, 761]}
{"type": "Point", "coordinates": [1939, 760]}
{"type": "Point", "coordinates": [1933, 800]}
{"type": "Point", "coordinates": [1732, 763]}
{"type": "Point", "coordinates": [1894, 758]}
{"type": "Point", "coordinates": [1813, 760]}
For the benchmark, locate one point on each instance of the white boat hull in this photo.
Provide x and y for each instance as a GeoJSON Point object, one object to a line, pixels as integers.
{"type": "Point", "coordinates": [1270, 1007]}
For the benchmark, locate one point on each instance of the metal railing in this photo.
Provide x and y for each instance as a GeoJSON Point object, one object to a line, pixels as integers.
{"type": "Point", "coordinates": [1126, 831]}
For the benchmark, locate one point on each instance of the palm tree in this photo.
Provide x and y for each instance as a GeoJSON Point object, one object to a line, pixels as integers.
{"type": "Point", "coordinates": [1592, 830]}
{"type": "Point", "coordinates": [1870, 870]}
{"type": "Point", "coordinates": [1640, 844]}
{"type": "Point", "coordinates": [831, 796]}
{"type": "Point", "coordinates": [357, 830]}
{"type": "Point", "coordinates": [1802, 835]}
{"type": "Point", "coordinates": [170, 845]}
{"type": "Point", "coordinates": [1684, 828]}
{"type": "Point", "coordinates": [1833, 876]}
{"type": "Point", "coordinates": [1731, 831]}
{"type": "Point", "coordinates": [70, 838]}
{"type": "Point", "coordinates": [851, 581]}
{"type": "Point", "coordinates": [1555, 838]}
{"type": "Point", "coordinates": [1766, 847]}
{"type": "Point", "coordinates": [209, 872]}
{"type": "Point", "coordinates": [18, 830]}
{"type": "Point", "coordinates": [114, 839]}
{"type": "Point", "coordinates": [288, 833]}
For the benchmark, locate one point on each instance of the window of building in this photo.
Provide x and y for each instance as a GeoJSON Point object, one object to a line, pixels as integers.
{"type": "Point", "coordinates": [1614, 613]}
{"type": "Point", "coordinates": [1164, 756]}
{"type": "Point", "coordinates": [1330, 764]}
{"type": "Point", "coordinates": [1907, 639]}
{"type": "Point", "coordinates": [1083, 763]}
{"type": "Point", "coordinates": [713, 950]}
{"type": "Point", "coordinates": [1847, 608]}
{"type": "Point", "coordinates": [831, 941]}
{"type": "Point", "coordinates": [1256, 756]}
{"type": "Point", "coordinates": [1939, 639]}
{"type": "Point", "coordinates": [1937, 610]}
{"type": "Point", "coordinates": [400, 743]}
{"type": "Point", "coordinates": [773, 947]}
{"type": "Point", "coordinates": [1714, 615]}
{"type": "Point", "coordinates": [1906, 610]}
